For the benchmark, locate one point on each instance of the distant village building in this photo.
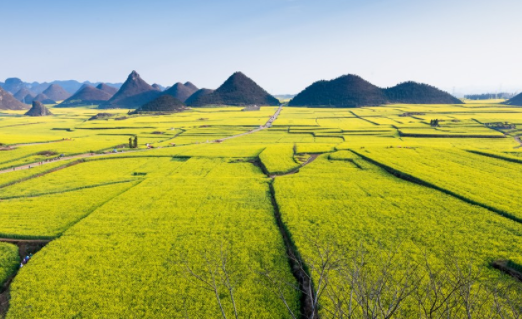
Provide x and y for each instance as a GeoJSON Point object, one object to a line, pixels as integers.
{"type": "Point", "coordinates": [501, 125]}
{"type": "Point", "coordinates": [252, 108]}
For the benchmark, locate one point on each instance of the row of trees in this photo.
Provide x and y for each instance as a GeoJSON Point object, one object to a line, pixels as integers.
{"type": "Point", "coordinates": [489, 96]}
{"type": "Point", "coordinates": [340, 283]}
{"type": "Point", "coordinates": [133, 143]}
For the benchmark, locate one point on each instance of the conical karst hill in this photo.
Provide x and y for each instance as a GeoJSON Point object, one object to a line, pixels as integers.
{"type": "Point", "coordinates": [197, 95]}
{"type": "Point", "coordinates": [516, 100]}
{"type": "Point", "coordinates": [157, 87]}
{"type": "Point", "coordinates": [180, 91]}
{"type": "Point", "coordinates": [9, 102]}
{"type": "Point", "coordinates": [353, 91]}
{"type": "Point", "coordinates": [237, 90]}
{"type": "Point", "coordinates": [56, 92]}
{"type": "Point", "coordinates": [87, 96]}
{"type": "Point", "coordinates": [107, 88]}
{"type": "Point", "coordinates": [44, 99]}
{"type": "Point", "coordinates": [134, 93]}
{"type": "Point", "coordinates": [24, 94]}
{"type": "Point", "coordinates": [191, 86]}
{"type": "Point", "coordinates": [345, 91]}
{"type": "Point", "coordinates": [419, 93]}
{"type": "Point", "coordinates": [13, 85]}
{"type": "Point", "coordinates": [38, 109]}
{"type": "Point", "coordinates": [162, 104]}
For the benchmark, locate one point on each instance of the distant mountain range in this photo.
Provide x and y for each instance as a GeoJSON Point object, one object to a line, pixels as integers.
{"type": "Point", "coordinates": [13, 85]}
{"type": "Point", "coordinates": [8, 102]}
{"type": "Point", "coordinates": [345, 91]}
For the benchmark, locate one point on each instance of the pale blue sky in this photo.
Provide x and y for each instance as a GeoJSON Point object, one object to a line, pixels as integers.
{"type": "Point", "coordinates": [284, 45]}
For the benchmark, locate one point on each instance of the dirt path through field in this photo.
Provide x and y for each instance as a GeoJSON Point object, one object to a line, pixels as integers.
{"type": "Point", "coordinates": [519, 141]}
{"type": "Point", "coordinates": [25, 247]}
{"type": "Point", "coordinates": [268, 124]}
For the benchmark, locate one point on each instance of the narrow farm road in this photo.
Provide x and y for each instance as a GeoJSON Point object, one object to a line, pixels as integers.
{"type": "Point", "coordinates": [87, 155]}
{"type": "Point", "coordinates": [13, 146]}
{"type": "Point", "coordinates": [519, 141]}
{"type": "Point", "coordinates": [268, 124]}
{"type": "Point", "coordinates": [61, 159]}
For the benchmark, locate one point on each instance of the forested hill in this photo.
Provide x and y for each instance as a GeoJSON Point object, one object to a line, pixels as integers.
{"type": "Point", "coordinates": [517, 100]}
{"type": "Point", "coordinates": [353, 91]}
{"type": "Point", "coordinates": [345, 91]}
{"type": "Point", "coordinates": [419, 93]}
{"type": "Point", "coordinates": [238, 89]}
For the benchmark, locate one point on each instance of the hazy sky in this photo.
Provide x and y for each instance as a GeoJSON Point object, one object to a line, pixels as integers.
{"type": "Point", "coordinates": [284, 45]}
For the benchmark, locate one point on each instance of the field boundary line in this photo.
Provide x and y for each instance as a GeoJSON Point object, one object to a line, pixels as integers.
{"type": "Point", "coordinates": [42, 173]}
{"type": "Point", "coordinates": [66, 191]}
{"type": "Point", "coordinates": [362, 118]}
{"type": "Point", "coordinates": [297, 266]}
{"type": "Point", "coordinates": [419, 181]}
{"type": "Point", "coordinates": [98, 207]}
{"type": "Point", "coordinates": [497, 156]}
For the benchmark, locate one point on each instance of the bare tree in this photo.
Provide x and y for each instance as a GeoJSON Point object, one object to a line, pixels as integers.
{"type": "Point", "coordinates": [378, 284]}
{"type": "Point", "coordinates": [216, 276]}
{"type": "Point", "coordinates": [360, 284]}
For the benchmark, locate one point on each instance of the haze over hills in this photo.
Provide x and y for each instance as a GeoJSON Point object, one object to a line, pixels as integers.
{"type": "Point", "coordinates": [158, 87]}
{"type": "Point", "coordinates": [13, 85]}
{"type": "Point", "coordinates": [134, 93]}
{"type": "Point", "coordinates": [8, 102]}
{"type": "Point", "coordinates": [419, 93]}
{"type": "Point", "coordinates": [44, 99]}
{"type": "Point", "coordinates": [353, 91]}
{"type": "Point", "coordinates": [181, 91]}
{"type": "Point", "coordinates": [22, 94]}
{"type": "Point", "coordinates": [87, 96]}
{"type": "Point", "coordinates": [237, 90]}
{"type": "Point", "coordinates": [56, 92]}
{"type": "Point", "coordinates": [38, 109]}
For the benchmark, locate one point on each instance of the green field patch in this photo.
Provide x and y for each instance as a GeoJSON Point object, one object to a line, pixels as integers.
{"type": "Point", "coordinates": [495, 181]}
{"type": "Point", "coordinates": [93, 173]}
{"type": "Point", "coordinates": [279, 159]}
{"type": "Point", "coordinates": [331, 205]}
{"type": "Point", "coordinates": [9, 261]}
{"type": "Point", "coordinates": [47, 217]}
{"type": "Point", "coordinates": [153, 233]}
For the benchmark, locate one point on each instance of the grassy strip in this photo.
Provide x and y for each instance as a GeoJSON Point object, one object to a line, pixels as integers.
{"type": "Point", "coordinates": [364, 119]}
{"type": "Point", "coordinates": [42, 173]}
{"type": "Point", "coordinates": [65, 191]}
{"type": "Point", "coordinates": [450, 135]}
{"type": "Point", "coordinates": [93, 159]}
{"type": "Point", "coordinates": [416, 180]}
{"type": "Point", "coordinates": [50, 238]}
{"type": "Point", "coordinates": [299, 269]}
{"type": "Point", "coordinates": [497, 156]}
